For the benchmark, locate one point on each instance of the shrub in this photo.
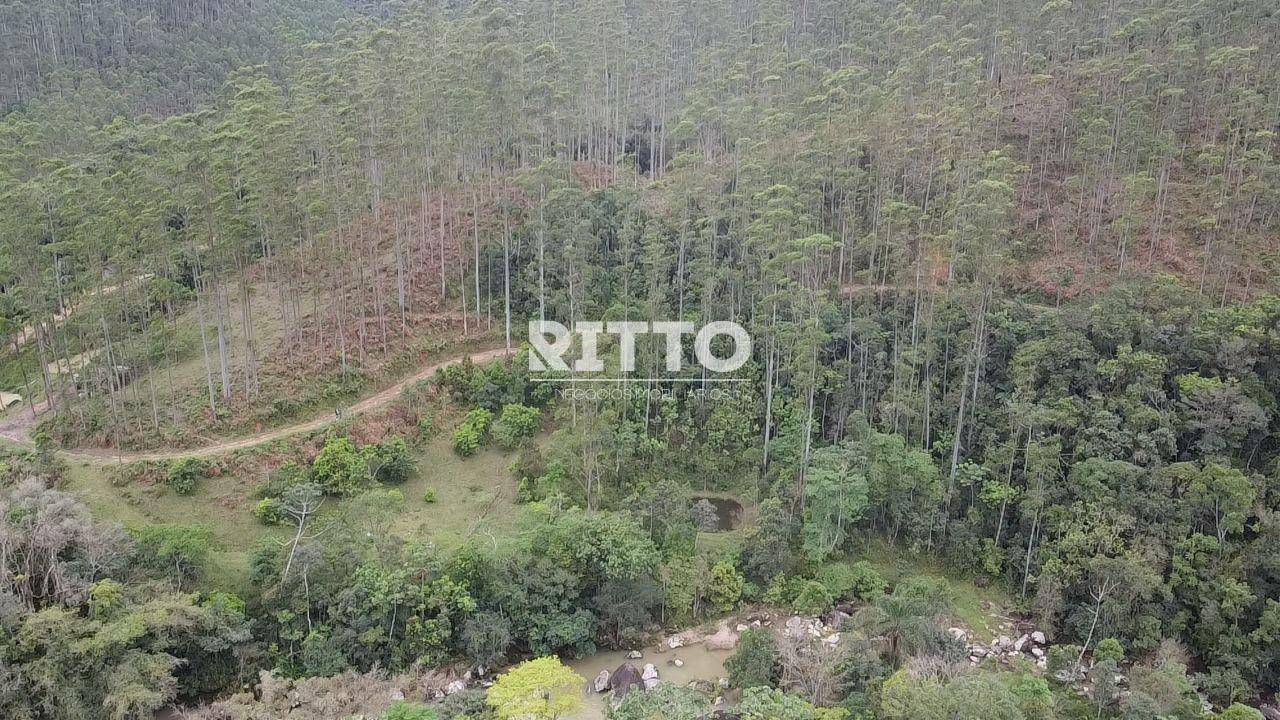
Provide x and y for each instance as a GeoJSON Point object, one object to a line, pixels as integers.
{"type": "Point", "coordinates": [726, 586]}
{"type": "Point", "coordinates": [517, 422]}
{"type": "Point", "coordinates": [486, 637]}
{"type": "Point", "coordinates": [430, 496]}
{"type": "Point", "coordinates": [813, 599]}
{"type": "Point", "coordinates": [1108, 649]}
{"type": "Point", "coordinates": [184, 473]}
{"type": "Point", "coordinates": [176, 550]}
{"type": "Point", "coordinates": [754, 663]}
{"type": "Point", "coordinates": [667, 701]}
{"type": "Point", "coordinates": [769, 704]}
{"type": "Point", "coordinates": [426, 427]}
{"type": "Point", "coordinates": [1062, 659]}
{"type": "Point", "coordinates": [392, 461]}
{"type": "Point", "coordinates": [340, 469]}
{"type": "Point", "coordinates": [467, 703]}
{"type": "Point", "coordinates": [105, 596]}
{"type": "Point", "coordinates": [782, 591]}
{"type": "Point", "coordinates": [466, 440]}
{"type": "Point", "coordinates": [224, 601]}
{"type": "Point", "coordinates": [403, 710]}
{"type": "Point", "coordinates": [283, 478]}
{"type": "Point", "coordinates": [1240, 712]}
{"type": "Point", "coordinates": [481, 419]}
{"type": "Point", "coordinates": [470, 434]}
{"type": "Point", "coordinates": [322, 655]}
{"type": "Point", "coordinates": [552, 482]}
{"type": "Point", "coordinates": [704, 516]}
{"type": "Point", "coordinates": [458, 380]}
{"type": "Point", "coordinates": [269, 511]}
{"type": "Point", "coordinates": [859, 580]}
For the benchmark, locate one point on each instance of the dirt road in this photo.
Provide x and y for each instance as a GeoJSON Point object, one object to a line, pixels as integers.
{"type": "Point", "coordinates": [17, 427]}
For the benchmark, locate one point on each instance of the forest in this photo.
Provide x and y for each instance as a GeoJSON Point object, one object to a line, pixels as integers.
{"type": "Point", "coordinates": [1007, 446]}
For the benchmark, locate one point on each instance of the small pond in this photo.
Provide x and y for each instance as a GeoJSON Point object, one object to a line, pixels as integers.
{"type": "Point", "coordinates": [727, 513]}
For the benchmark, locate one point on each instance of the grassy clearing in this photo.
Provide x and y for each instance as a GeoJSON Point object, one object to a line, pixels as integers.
{"type": "Point", "coordinates": [222, 503]}
{"type": "Point", "coordinates": [475, 497]}
{"type": "Point", "coordinates": [979, 609]}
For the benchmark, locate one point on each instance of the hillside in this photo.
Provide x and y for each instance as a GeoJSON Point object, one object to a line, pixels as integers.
{"type": "Point", "coordinates": [1007, 268]}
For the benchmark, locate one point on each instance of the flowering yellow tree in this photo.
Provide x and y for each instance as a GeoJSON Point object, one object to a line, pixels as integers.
{"type": "Point", "coordinates": [539, 689]}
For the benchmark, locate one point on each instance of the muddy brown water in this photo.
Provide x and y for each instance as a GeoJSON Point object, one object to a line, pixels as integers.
{"type": "Point", "coordinates": [699, 664]}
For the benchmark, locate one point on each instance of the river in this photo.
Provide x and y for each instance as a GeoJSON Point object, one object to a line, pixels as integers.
{"type": "Point", "coordinates": [699, 664]}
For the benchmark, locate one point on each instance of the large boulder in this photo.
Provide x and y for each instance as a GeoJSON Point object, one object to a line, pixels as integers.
{"type": "Point", "coordinates": [835, 619]}
{"type": "Point", "coordinates": [624, 678]}
{"type": "Point", "coordinates": [601, 683]}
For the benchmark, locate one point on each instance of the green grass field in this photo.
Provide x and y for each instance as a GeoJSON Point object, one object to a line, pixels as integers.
{"type": "Point", "coordinates": [475, 498]}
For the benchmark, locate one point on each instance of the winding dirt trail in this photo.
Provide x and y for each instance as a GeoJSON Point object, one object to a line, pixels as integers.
{"type": "Point", "coordinates": [17, 427]}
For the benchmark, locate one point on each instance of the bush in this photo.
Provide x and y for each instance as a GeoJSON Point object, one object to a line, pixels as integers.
{"type": "Point", "coordinates": [105, 596]}
{"type": "Point", "coordinates": [340, 469]}
{"type": "Point", "coordinates": [403, 710]}
{"type": "Point", "coordinates": [467, 703]}
{"type": "Point", "coordinates": [859, 580]}
{"type": "Point", "coordinates": [426, 427]}
{"type": "Point", "coordinates": [1063, 659]}
{"type": "Point", "coordinates": [393, 462]}
{"type": "Point", "coordinates": [466, 441]}
{"type": "Point", "coordinates": [458, 380]}
{"type": "Point", "coordinates": [184, 473]}
{"type": "Point", "coordinates": [726, 586]}
{"type": "Point", "coordinates": [269, 511]}
{"type": "Point", "coordinates": [481, 419]}
{"type": "Point", "coordinates": [754, 664]}
{"type": "Point", "coordinates": [769, 704]}
{"type": "Point", "coordinates": [1240, 712]}
{"type": "Point", "coordinates": [429, 496]}
{"type": "Point", "coordinates": [668, 701]}
{"type": "Point", "coordinates": [1108, 649]}
{"type": "Point", "coordinates": [553, 482]}
{"type": "Point", "coordinates": [813, 599]}
{"type": "Point", "coordinates": [486, 637]}
{"type": "Point", "coordinates": [283, 478]}
{"type": "Point", "coordinates": [322, 655]}
{"type": "Point", "coordinates": [470, 434]}
{"type": "Point", "coordinates": [783, 590]}
{"type": "Point", "coordinates": [178, 551]}
{"type": "Point", "coordinates": [517, 422]}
